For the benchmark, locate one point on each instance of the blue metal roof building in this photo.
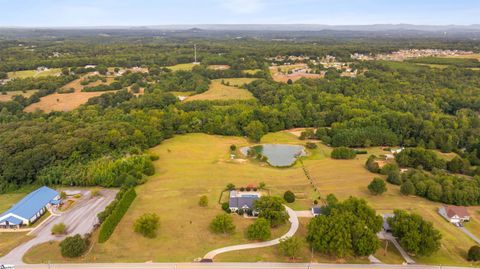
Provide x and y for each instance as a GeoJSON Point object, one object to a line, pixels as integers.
{"type": "Point", "coordinates": [30, 208]}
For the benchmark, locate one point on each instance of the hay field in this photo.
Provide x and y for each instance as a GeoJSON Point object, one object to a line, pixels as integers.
{"type": "Point", "coordinates": [10, 95]}
{"type": "Point", "coordinates": [219, 91]}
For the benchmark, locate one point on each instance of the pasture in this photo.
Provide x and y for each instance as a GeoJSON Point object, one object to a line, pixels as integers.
{"type": "Point", "coordinates": [9, 95]}
{"type": "Point", "coordinates": [219, 91]}
{"type": "Point", "coordinates": [181, 67]}
{"type": "Point", "coordinates": [34, 73]}
{"type": "Point", "coordinates": [198, 164]}
{"type": "Point", "coordinates": [218, 67]}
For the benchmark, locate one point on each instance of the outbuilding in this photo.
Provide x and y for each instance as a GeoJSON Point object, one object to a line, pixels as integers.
{"type": "Point", "coordinates": [30, 208]}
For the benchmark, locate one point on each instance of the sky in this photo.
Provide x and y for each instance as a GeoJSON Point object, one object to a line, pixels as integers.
{"type": "Point", "coordinates": [68, 13]}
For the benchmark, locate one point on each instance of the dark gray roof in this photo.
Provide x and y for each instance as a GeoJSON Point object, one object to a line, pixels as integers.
{"type": "Point", "coordinates": [240, 202]}
{"type": "Point", "coordinates": [317, 210]}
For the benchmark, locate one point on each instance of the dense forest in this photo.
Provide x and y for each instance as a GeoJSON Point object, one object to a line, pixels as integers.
{"type": "Point", "coordinates": [386, 104]}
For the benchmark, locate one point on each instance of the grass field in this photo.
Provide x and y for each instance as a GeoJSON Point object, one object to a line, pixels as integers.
{"type": "Point", "coordinates": [182, 67]}
{"type": "Point", "coordinates": [9, 241]}
{"type": "Point", "coordinates": [280, 73]}
{"type": "Point", "coordinates": [218, 91]}
{"type": "Point", "coordinates": [251, 71]}
{"type": "Point", "coordinates": [67, 101]}
{"type": "Point", "coordinates": [10, 95]}
{"type": "Point", "coordinates": [34, 73]}
{"type": "Point", "coordinates": [197, 164]}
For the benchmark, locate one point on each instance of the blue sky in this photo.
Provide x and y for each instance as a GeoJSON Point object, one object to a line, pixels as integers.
{"type": "Point", "coordinates": [151, 12]}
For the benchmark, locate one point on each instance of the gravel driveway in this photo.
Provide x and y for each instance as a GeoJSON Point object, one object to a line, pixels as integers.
{"type": "Point", "coordinates": [80, 219]}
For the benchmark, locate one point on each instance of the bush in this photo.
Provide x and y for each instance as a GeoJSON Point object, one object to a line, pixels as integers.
{"type": "Point", "coordinates": [290, 246]}
{"type": "Point", "coordinates": [343, 153]}
{"type": "Point", "coordinates": [203, 202]}
{"type": "Point", "coordinates": [361, 151]}
{"type": "Point", "coordinates": [311, 145]}
{"type": "Point", "coordinates": [259, 230]}
{"type": "Point", "coordinates": [372, 165]}
{"type": "Point", "coordinates": [289, 197]}
{"type": "Point", "coordinates": [147, 225]}
{"type": "Point", "coordinates": [59, 229]}
{"type": "Point", "coordinates": [108, 226]}
{"type": "Point", "coordinates": [233, 147]}
{"type": "Point", "coordinates": [377, 186]}
{"type": "Point", "coordinates": [226, 207]}
{"type": "Point", "coordinates": [230, 187]}
{"type": "Point", "coordinates": [474, 253]}
{"type": "Point", "coordinates": [74, 246]}
{"type": "Point", "coordinates": [393, 177]}
{"type": "Point", "coordinates": [407, 188]}
{"type": "Point", "coordinates": [222, 223]}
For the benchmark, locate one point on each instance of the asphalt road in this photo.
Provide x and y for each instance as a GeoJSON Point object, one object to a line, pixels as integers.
{"type": "Point", "coordinates": [80, 219]}
{"type": "Point", "coordinates": [229, 266]}
{"type": "Point", "coordinates": [293, 229]}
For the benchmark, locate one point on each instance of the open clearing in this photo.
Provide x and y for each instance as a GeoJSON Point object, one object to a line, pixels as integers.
{"type": "Point", "coordinates": [34, 73]}
{"type": "Point", "coordinates": [219, 67]}
{"type": "Point", "coordinates": [182, 67]}
{"type": "Point", "coordinates": [251, 71]}
{"type": "Point", "coordinates": [67, 101]}
{"type": "Point", "coordinates": [280, 73]}
{"type": "Point", "coordinates": [10, 95]}
{"type": "Point", "coordinates": [173, 194]}
{"type": "Point", "coordinates": [219, 91]}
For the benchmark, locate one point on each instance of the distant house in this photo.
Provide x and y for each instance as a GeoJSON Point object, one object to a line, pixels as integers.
{"type": "Point", "coordinates": [242, 200]}
{"type": "Point", "coordinates": [316, 210]}
{"type": "Point", "coordinates": [30, 208]}
{"type": "Point", "coordinates": [389, 156]}
{"type": "Point", "coordinates": [454, 214]}
{"type": "Point", "coordinates": [396, 151]}
{"type": "Point", "coordinates": [90, 66]}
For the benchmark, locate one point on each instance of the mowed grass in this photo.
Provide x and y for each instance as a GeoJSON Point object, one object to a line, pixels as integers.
{"type": "Point", "coordinates": [9, 95]}
{"type": "Point", "coordinates": [251, 71]}
{"type": "Point", "coordinates": [182, 67]}
{"type": "Point", "coordinates": [219, 91]}
{"type": "Point", "coordinates": [197, 164]}
{"type": "Point", "coordinates": [34, 73]}
{"type": "Point", "coordinates": [10, 240]}
{"type": "Point", "coordinates": [67, 101]}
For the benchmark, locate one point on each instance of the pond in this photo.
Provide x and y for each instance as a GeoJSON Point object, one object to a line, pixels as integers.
{"type": "Point", "coordinates": [278, 154]}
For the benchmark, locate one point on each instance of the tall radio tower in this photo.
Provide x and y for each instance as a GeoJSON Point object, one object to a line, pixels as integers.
{"type": "Point", "coordinates": [195, 53]}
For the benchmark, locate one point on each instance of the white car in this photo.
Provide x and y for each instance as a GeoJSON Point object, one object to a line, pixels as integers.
{"type": "Point", "coordinates": [7, 266]}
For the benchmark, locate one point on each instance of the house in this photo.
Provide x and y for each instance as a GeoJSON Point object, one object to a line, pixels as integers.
{"type": "Point", "coordinates": [386, 225]}
{"type": "Point", "coordinates": [90, 66]}
{"type": "Point", "coordinates": [396, 151]}
{"type": "Point", "coordinates": [242, 200]}
{"type": "Point", "coordinates": [30, 208]}
{"type": "Point", "coordinates": [316, 210]}
{"type": "Point", "coordinates": [454, 214]}
{"type": "Point", "coordinates": [389, 156]}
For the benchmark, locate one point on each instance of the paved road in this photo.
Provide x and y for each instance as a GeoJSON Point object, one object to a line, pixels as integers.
{"type": "Point", "coordinates": [391, 238]}
{"type": "Point", "coordinates": [293, 229]}
{"type": "Point", "coordinates": [258, 265]}
{"type": "Point", "coordinates": [80, 219]}
{"type": "Point", "coordinates": [467, 232]}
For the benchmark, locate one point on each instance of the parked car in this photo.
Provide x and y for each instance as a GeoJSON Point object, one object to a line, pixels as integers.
{"type": "Point", "coordinates": [7, 266]}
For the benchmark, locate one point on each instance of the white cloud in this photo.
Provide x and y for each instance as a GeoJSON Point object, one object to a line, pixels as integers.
{"type": "Point", "coordinates": [243, 6]}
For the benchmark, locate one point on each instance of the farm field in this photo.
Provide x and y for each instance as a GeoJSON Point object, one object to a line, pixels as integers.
{"type": "Point", "coordinates": [34, 73]}
{"type": "Point", "coordinates": [173, 194]}
{"type": "Point", "coordinates": [181, 67]}
{"type": "Point", "coordinates": [67, 101]}
{"type": "Point", "coordinates": [251, 71]}
{"type": "Point", "coordinates": [218, 91]}
{"type": "Point", "coordinates": [218, 67]}
{"type": "Point", "coordinates": [9, 95]}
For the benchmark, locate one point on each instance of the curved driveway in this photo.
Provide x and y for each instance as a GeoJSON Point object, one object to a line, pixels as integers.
{"type": "Point", "coordinates": [293, 229]}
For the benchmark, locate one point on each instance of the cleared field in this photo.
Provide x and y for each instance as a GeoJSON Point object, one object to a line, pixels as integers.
{"type": "Point", "coordinates": [251, 71]}
{"type": "Point", "coordinates": [173, 194]}
{"type": "Point", "coordinates": [67, 101]}
{"type": "Point", "coordinates": [9, 95]}
{"type": "Point", "coordinates": [34, 73]}
{"type": "Point", "coordinates": [184, 67]}
{"type": "Point", "coordinates": [219, 67]}
{"type": "Point", "coordinates": [280, 73]}
{"type": "Point", "coordinates": [219, 91]}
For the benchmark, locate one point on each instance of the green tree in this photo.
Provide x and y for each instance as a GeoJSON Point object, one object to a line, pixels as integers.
{"type": "Point", "coordinates": [407, 188]}
{"type": "Point", "coordinates": [343, 153]}
{"type": "Point", "coordinates": [59, 229]}
{"type": "Point", "coordinates": [147, 225]}
{"type": "Point", "coordinates": [416, 235]}
{"type": "Point", "coordinates": [255, 130]}
{"type": "Point", "coordinates": [222, 223]}
{"type": "Point", "coordinates": [377, 186]}
{"type": "Point", "coordinates": [289, 197]}
{"type": "Point", "coordinates": [474, 253]}
{"type": "Point", "coordinates": [73, 246]}
{"type": "Point", "coordinates": [393, 177]}
{"type": "Point", "coordinates": [272, 209]}
{"type": "Point", "coordinates": [203, 201]}
{"type": "Point", "coordinates": [230, 187]}
{"type": "Point", "coordinates": [458, 165]}
{"type": "Point", "coordinates": [372, 165]}
{"type": "Point", "coordinates": [259, 230]}
{"type": "Point", "coordinates": [290, 247]}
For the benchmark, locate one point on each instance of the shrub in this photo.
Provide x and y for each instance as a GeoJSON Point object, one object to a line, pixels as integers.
{"type": "Point", "coordinates": [59, 229]}
{"type": "Point", "coordinates": [310, 145]}
{"type": "Point", "coordinates": [377, 186]}
{"type": "Point", "coordinates": [233, 147]}
{"type": "Point", "coordinates": [290, 246]}
{"type": "Point", "coordinates": [73, 246]}
{"type": "Point", "coordinates": [289, 196]}
{"type": "Point", "coordinates": [203, 202]}
{"type": "Point", "coordinates": [222, 223]}
{"type": "Point", "coordinates": [147, 225]}
{"type": "Point", "coordinates": [259, 230]}
{"type": "Point", "coordinates": [407, 188]}
{"type": "Point", "coordinates": [108, 226]}
{"type": "Point", "coordinates": [343, 153]}
{"type": "Point", "coordinates": [474, 253]}
{"type": "Point", "coordinates": [230, 187]}
{"type": "Point", "coordinates": [372, 165]}
{"type": "Point", "coordinates": [361, 151]}
{"type": "Point", "coordinates": [393, 177]}
{"type": "Point", "coordinates": [226, 207]}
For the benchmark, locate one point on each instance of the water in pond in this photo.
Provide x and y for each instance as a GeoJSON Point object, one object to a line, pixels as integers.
{"type": "Point", "coordinates": [278, 154]}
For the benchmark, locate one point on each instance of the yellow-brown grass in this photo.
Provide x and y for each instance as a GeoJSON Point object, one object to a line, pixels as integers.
{"type": "Point", "coordinates": [219, 91]}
